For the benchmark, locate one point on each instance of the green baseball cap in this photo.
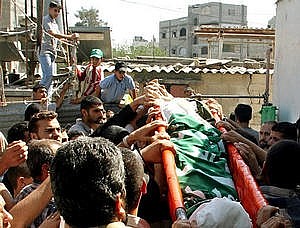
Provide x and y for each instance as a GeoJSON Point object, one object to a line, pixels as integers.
{"type": "Point", "coordinates": [96, 53]}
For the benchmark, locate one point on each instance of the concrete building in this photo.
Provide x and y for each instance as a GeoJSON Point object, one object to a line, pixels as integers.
{"type": "Point", "coordinates": [177, 37]}
{"type": "Point", "coordinates": [139, 41]}
{"type": "Point", "coordinates": [287, 69]}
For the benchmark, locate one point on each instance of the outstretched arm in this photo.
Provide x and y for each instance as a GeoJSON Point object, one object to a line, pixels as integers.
{"type": "Point", "coordinates": [25, 211]}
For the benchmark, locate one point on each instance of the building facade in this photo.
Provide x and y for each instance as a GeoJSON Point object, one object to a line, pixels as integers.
{"type": "Point", "coordinates": [286, 78]}
{"type": "Point", "coordinates": [177, 36]}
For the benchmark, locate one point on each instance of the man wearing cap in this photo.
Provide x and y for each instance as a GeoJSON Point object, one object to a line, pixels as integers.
{"type": "Point", "coordinates": [47, 51]}
{"type": "Point", "coordinates": [91, 76]}
{"type": "Point", "coordinates": [113, 88]}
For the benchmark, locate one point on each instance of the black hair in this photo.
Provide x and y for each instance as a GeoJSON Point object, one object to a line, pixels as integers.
{"type": "Point", "coordinates": [89, 101]}
{"type": "Point", "coordinates": [31, 110]}
{"type": "Point", "coordinates": [98, 166]}
{"type": "Point", "coordinates": [282, 164]}
{"type": "Point", "coordinates": [113, 133]}
{"type": "Point", "coordinates": [39, 152]}
{"type": "Point", "coordinates": [17, 132]}
{"type": "Point", "coordinates": [243, 113]}
{"type": "Point", "coordinates": [13, 173]}
{"type": "Point", "coordinates": [287, 129]}
{"type": "Point", "coordinates": [134, 172]}
{"type": "Point", "coordinates": [43, 115]}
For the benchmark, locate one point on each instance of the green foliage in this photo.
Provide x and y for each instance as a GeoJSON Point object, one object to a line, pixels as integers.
{"type": "Point", "coordinates": [133, 52]}
{"type": "Point", "coordinates": [89, 18]}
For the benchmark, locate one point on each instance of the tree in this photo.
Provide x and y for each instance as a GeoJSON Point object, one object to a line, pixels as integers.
{"type": "Point", "coordinates": [133, 52]}
{"type": "Point", "coordinates": [89, 18]}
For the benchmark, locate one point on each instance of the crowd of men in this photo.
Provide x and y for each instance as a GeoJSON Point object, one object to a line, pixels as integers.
{"type": "Point", "coordinates": [78, 178]}
{"type": "Point", "coordinates": [105, 170]}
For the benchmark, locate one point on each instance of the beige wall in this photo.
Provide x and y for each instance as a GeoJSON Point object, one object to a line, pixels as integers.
{"type": "Point", "coordinates": [218, 84]}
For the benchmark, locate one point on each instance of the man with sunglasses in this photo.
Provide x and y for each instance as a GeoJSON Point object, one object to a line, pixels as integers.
{"type": "Point", "coordinates": [51, 35]}
{"type": "Point", "coordinates": [113, 88]}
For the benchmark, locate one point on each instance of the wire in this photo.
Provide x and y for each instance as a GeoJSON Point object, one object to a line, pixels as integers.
{"type": "Point", "coordinates": [153, 6]}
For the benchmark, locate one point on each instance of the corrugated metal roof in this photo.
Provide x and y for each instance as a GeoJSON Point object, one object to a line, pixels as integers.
{"type": "Point", "coordinates": [176, 68]}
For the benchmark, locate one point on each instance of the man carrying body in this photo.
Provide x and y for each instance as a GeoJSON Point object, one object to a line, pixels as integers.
{"type": "Point", "coordinates": [113, 88]}
{"type": "Point", "coordinates": [44, 125]}
{"type": "Point", "coordinates": [243, 115]}
{"type": "Point", "coordinates": [47, 52]}
{"type": "Point", "coordinates": [282, 130]}
{"type": "Point", "coordinates": [40, 156]}
{"type": "Point", "coordinates": [264, 134]}
{"type": "Point", "coordinates": [99, 199]}
{"type": "Point", "coordinates": [92, 115]}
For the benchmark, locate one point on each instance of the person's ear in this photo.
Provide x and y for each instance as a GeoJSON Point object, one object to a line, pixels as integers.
{"type": "Point", "coordinates": [84, 112]}
{"type": "Point", "coordinates": [33, 135]}
{"type": "Point", "coordinates": [144, 187]}
{"type": "Point", "coordinates": [45, 169]}
{"type": "Point", "coordinates": [119, 210]}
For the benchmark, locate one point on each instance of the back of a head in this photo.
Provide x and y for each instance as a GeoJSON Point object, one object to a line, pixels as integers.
{"type": "Point", "coordinates": [87, 174]}
{"type": "Point", "coordinates": [13, 173]}
{"type": "Point", "coordinates": [287, 129]}
{"type": "Point", "coordinates": [17, 132]}
{"type": "Point", "coordinates": [31, 110]}
{"type": "Point", "coordinates": [40, 152]}
{"type": "Point", "coordinates": [243, 113]}
{"type": "Point", "coordinates": [134, 172]}
{"type": "Point", "coordinates": [114, 133]}
{"type": "Point", "coordinates": [89, 101]}
{"type": "Point", "coordinates": [282, 164]}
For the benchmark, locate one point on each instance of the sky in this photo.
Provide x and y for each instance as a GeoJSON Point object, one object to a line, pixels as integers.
{"type": "Point", "coordinates": [129, 18]}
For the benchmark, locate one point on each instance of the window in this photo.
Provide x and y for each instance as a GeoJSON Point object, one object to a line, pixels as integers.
{"type": "Point", "coordinates": [195, 40]}
{"type": "Point", "coordinates": [182, 51]}
{"type": "Point", "coordinates": [183, 32]}
{"type": "Point", "coordinates": [204, 50]}
{"type": "Point", "coordinates": [195, 55]}
{"type": "Point", "coordinates": [228, 48]}
{"type": "Point", "coordinates": [163, 35]}
{"type": "Point", "coordinates": [174, 34]}
{"type": "Point", "coordinates": [173, 51]}
{"type": "Point", "coordinates": [195, 21]}
{"type": "Point", "coordinates": [231, 12]}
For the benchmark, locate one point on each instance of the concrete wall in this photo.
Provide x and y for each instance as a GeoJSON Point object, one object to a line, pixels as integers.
{"type": "Point", "coordinates": [219, 13]}
{"type": "Point", "coordinates": [216, 84]}
{"type": "Point", "coordinates": [173, 42]}
{"type": "Point", "coordinates": [287, 58]}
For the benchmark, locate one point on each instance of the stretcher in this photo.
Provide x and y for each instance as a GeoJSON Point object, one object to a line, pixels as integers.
{"type": "Point", "coordinates": [249, 194]}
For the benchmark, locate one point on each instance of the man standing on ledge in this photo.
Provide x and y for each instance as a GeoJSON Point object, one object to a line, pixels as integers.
{"type": "Point", "coordinates": [51, 35]}
{"type": "Point", "coordinates": [113, 88]}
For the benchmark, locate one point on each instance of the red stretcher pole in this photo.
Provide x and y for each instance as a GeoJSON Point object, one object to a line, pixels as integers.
{"type": "Point", "coordinates": [249, 194]}
{"type": "Point", "coordinates": [177, 209]}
